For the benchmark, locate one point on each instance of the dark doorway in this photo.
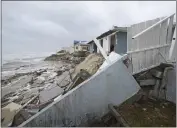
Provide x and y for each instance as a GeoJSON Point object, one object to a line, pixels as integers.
{"type": "Point", "coordinates": [94, 48]}
{"type": "Point", "coordinates": [101, 43]}
{"type": "Point", "coordinates": [113, 43]}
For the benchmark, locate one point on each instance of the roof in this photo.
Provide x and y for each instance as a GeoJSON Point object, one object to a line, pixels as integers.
{"type": "Point", "coordinates": [90, 42]}
{"type": "Point", "coordinates": [122, 29]}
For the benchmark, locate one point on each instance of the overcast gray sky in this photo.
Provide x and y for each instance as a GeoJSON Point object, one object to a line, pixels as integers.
{"type": "Point", "coordinates": [41, 26]}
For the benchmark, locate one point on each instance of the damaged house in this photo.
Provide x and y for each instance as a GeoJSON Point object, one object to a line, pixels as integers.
{"type": "Point", "coordinates": [81, 47]}
{"type": "Point", "coordinates": [112, 40]}
{"type": "Point", "coordinates": [147, 45]}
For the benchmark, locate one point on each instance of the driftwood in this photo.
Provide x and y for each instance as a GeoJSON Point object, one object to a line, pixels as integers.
{"type": "Point", "coordinates": [118, 117]}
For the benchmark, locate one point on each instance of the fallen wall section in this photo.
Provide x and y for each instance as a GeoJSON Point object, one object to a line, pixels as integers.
{"type": "Point", "coordinates": [89, 100]}
{"type": "Point", "coordinates": [171, 85]}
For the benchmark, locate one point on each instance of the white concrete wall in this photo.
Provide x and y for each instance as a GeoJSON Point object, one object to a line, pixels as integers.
{"type": "Point", "coordinates": [171, 85]}
{"type": "Point", "coordinates": [89, 100]}
{"type": "Point", "coordinates": [91, 49]}
{"type": "Point", "coordinates": [106, 45]}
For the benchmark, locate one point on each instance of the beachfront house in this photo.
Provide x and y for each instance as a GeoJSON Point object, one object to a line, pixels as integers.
{"type": "Point", "coordinates": [81, 47]}
{"type": "Point", "coordinates": [112, 40]}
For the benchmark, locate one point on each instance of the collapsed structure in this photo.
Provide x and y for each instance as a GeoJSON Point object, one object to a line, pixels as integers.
{"type": "Point", "coordinates": [148, 65]}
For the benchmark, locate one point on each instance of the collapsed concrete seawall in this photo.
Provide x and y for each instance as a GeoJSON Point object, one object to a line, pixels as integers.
{"type": "Point", "coordinates": [171, 85]}
{"type": "Point", "coordinates": [89, 100]}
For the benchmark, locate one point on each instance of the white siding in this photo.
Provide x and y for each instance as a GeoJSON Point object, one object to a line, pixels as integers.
{"type": "Point", "coordinates": [106, 44]}
{"type": "Point", "coordinates": [150, 48]}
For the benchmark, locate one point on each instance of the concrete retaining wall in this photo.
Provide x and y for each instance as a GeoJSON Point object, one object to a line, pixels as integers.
{"type": "Point", "coordinates": [171, 85]}
{"type": "Point", "coordinates": [89, 100]}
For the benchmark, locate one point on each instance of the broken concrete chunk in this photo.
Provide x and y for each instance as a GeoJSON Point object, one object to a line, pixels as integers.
{"type": "Point", "coordinates": [156, 74]}
{"type": "Point", "coordinates": [8, 113]}
{"type": "Point", "coordinates": [20, 117]}
{"type": "Point", "coordinates": [155, 92]}
{"type": "Point", "coordinates": [49, 94]}
{"type": "Point", "coordinates": [147, 82]}
{"type": "Point", "coordinates": [79, 78]}
{"type": "Point", "coordinates": [90, 64]}
{"type": "Point", "coordinates": [59, 73]}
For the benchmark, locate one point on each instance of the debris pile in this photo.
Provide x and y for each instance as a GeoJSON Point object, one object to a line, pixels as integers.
{"type": "Point", "coordinates": [20, 89]}
{"type": "Point", "coordinates": [82, 71]}
{"type": "Point", "coordinates": [154, 81]}
{"type": "Point", "coordinates": [149, 107]}
{"type": "Point", "coordinates": [33, 91]}
{"type": "Point", "coordinates": [66, 57]}
{"type": "Point", "coordinates": [91, 64]}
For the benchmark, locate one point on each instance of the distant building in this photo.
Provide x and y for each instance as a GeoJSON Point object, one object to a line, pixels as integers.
{"type": "Point", "coordinates": [92, 47]}
{"type": "Point", "coordinates": [112, 40]}
{"type": "Point", "coordinates": [81, 47]}
{"type": "Point", "coordinates": [78, 41]}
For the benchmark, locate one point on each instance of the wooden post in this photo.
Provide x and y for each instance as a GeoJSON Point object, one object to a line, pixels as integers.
{"type": "Point", "coordinates": [102, 51]}
{"type": "Point", "coordinates": [117, 116]}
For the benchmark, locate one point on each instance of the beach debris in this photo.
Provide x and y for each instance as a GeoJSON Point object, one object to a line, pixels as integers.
{"type": "Point", "coordinates": [156, 74]}
{"type": "Point", "coordinates": [66, 57]}
{"type": "Point", "coordinates": [8, 113]}
{"type": "Point", "coordinates": [91, 64]}
{"type": "Point", "coordinates": [147, 82]}
{"type": "Point", "coordinates": [48, 94]}
{"type": "Point", "coordinates": [79, 78]}
{"type": "Point", "coordinates": [120, 120]}
{"type": "Point", "coordinates": [20, 117]}
{"type": "Point", "coordinates": [59, 72]}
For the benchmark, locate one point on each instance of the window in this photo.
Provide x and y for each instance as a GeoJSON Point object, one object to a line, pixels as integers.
{"type": "Point", "coordinates": [84, 48]}
{"type": "Point", "coordinates": [76, 47]}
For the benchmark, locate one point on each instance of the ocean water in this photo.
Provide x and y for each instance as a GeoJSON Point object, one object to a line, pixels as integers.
{"type": "Point", "coordinates": [23, 64]}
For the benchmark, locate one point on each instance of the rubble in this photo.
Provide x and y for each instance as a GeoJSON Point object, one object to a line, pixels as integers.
{"type": "Point", "coordinates": [66, 57]}
{"type": "Point", "coordinates": [156, 74]}
{"type": "Point", "coordinates": [20, 117]}
{"type": "Point", "coordinates": [91, 64]}
{"type": "Point", "coordinates": [53, 92]}
{"type": "Point", "coordinates": [143, 110]}
{"type": "Point", "coordinates": [42, 87]}
{"type": "Point", "coordinates": [34, 90]}
{"type": "Point", "coordinates": [8, 113]}
{"type": "Point", "coordinates": [148, 82]}
{"type": "Point", "coordinates": [79, 78]}
{"type": "Point", "coordinates": [93, 103]}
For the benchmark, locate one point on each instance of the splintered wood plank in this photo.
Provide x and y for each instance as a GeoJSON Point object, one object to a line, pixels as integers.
{"type": "Point", "coordinates": [117, 115]}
